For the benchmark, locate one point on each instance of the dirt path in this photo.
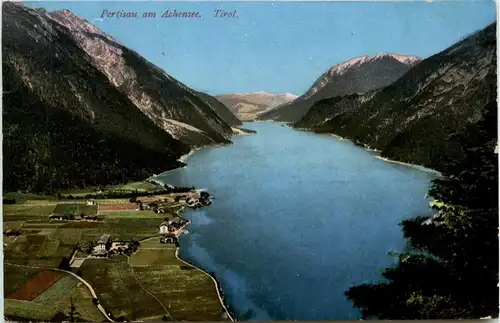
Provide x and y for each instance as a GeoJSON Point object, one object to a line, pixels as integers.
{"type": "Point", "coordinates": [147, 291]}
{"type": "Point", "coordinates": [138, 282]}
{"type": "Point", "coordinates": [92, 292]}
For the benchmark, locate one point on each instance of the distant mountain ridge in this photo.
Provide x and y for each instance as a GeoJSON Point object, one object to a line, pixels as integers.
{"type": "Point", "coordinates": [416, 118]}
{"type": "Point", "coordinates": [358, 75]}
{"type": "Point", "coordinates": [248, 105]}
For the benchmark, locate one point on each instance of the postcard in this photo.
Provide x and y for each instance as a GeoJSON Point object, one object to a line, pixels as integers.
{"type": "Point", "coordinates": [249, 160]}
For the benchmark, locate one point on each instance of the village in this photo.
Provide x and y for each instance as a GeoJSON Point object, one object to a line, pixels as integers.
{"type": "Point", "coordinates": [168, 230]}
{"type": "Point", "coordinates": [117, 239]}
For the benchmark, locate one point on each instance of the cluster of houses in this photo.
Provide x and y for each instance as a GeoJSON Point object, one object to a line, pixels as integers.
{"type": "Point", "coordinates": [64, 217]}
{"type": "Point", "coordinates": [103, 246]}
{"type": "Point", "coordinates": [195, 203]}
{"type": "Point", "coordinates": [169, 228]}
{"type": "Point", "coordinates": [106, 246]}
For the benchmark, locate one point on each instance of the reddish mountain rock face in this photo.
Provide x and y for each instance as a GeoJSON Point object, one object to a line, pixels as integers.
{"type": "Point", "coordinates": [248, 105]}
{"type": "Point", "coordinates": [356, 76]}
{"type": "Point", "coordinates": [190, 116]}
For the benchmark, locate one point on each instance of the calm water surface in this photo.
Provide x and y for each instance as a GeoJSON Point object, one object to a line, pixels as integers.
{"type": "Point", "coordinates": [297, 219]}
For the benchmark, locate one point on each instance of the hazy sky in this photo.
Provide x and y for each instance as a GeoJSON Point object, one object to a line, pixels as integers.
{"type": "Point", "coordinates": [282, 46]}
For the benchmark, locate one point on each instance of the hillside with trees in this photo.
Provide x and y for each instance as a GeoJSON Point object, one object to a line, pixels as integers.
{"type": "Point", "coordinates": [452, 271]}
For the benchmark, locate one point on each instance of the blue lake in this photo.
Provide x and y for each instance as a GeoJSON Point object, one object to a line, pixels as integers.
{"type": "Point", "coordinates": [297, 219]}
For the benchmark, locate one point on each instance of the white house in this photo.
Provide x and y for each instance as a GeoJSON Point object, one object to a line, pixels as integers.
{"type": "Point", "coordinates": [90, 202]}
{"type": "Point", "coordinates": [164, 228]}
{"type": "Point", "coordinates": [103, 244]}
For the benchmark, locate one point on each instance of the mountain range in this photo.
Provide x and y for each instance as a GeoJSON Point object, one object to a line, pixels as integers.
{"type": "Point", "coordinates": [248, 105]}
{"type": "Point", "coordinates": [80, 109]}
{"type": "Point", "coordinates": [418, 117]}
{"type": "Point", "coordinates": [357, 75]}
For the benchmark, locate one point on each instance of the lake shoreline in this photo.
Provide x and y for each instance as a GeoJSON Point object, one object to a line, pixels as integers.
{"type": "Point", "coordinates": [183, 159]}
{"type": "Point", "coordinates": [218, 288]}
{"type": "Point", "coordinates": [368, 148]}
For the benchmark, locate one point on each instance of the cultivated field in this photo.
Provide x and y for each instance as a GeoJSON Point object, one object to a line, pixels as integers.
{"type": "Point", "coordinates": [139, 186]}
{"type": "Point", "coordinates": [188, 293]}
{"type": "Point", "coordinates": [37, 285]}
{"type": "Point", "coordinates": [118, 290]}
{"type": "Point", "coordinates": [75, 209]}
{"type": "Point", "coordinates": [158, 256]}
{"type": "Point", "coordinates": [17, 309]}
{"type": "Point", "coordinates": [15, 277]}
{"type": "Point", "coordinates": [142, 186]}
{"type": "Point", "coordinates": [37, 250]}
{"type": "Point", "coordinates": [118, 207]}
{"type": "Point", "coordinates": [150, 284]}
{"type": "Point", "coordinates": [59, 296]}
{"type": "Point", "coordinates": [134, 214]}
{"type": "Point", "coordinates": [26, 212]}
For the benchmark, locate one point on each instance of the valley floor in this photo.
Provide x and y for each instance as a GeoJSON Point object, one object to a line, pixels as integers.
{"type": "Point", "coordinates": [146, 283]}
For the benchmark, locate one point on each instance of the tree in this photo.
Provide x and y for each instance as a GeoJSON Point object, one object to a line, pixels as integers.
{"type": "Point", "coordinates": [452, 271]}
{"type": "Point", "coordinates": [72, 313]}
{"type": "Point", "coordinates": [64, 264]}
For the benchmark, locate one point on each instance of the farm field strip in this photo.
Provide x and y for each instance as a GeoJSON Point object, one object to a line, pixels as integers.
{"type": "Point", "coordinates": [17, 278]}
{"type": "Point", "coordinates": [139, 186]}
{"type": "Point", "coordinates": [39, 225]}
{"type": "Point", "coordinates": [131, 214]}
{"type": "Point", "coordinates": [41, 202]}
{"type": "Point", "coordinates": [118, 207]}
{"type": "Point", "coordinates": [65, 209]}
{"type": "Point", "coordinates": [57, 291]}
{"type": "Point", "coordinates": [157, 256]}
{"type": "Point", "coordinates": [37, 285]}
{"type": "Point", "coordinates": [28, 210]}
{"type": "Point", "coordinates": [37, 250]}
{"type": "Point", "coordinates": [111, 201]}
{"type": "Point", "coordinates": [13, 225]}
{"type": "Point", "coordinates": [85, 209]}
{"type": "Point", "coordinates": [19, 308]}
{"type": "Point", "coordinates": [80, 225]}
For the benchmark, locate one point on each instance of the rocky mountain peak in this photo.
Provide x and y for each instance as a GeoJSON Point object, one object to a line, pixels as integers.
{"type": "Point", "coordinates": [357, 75]}
{"type": "Point", "coordinates": [77, 24]}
